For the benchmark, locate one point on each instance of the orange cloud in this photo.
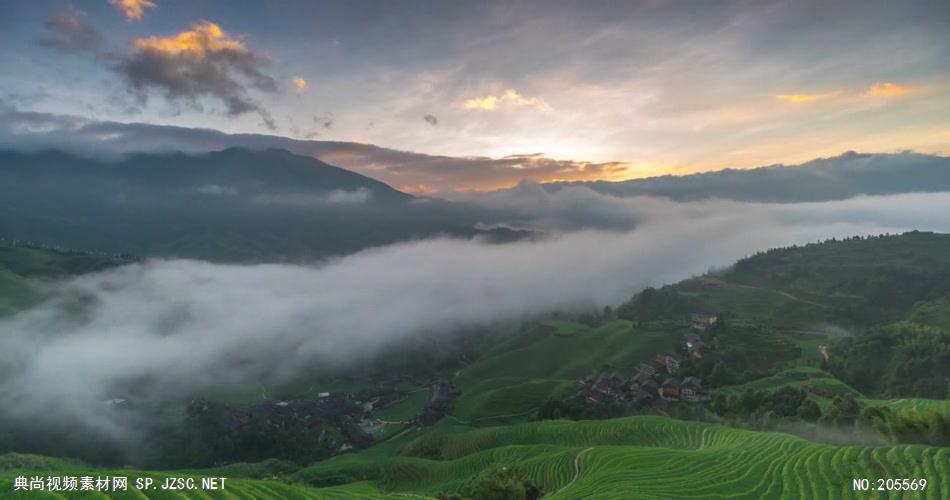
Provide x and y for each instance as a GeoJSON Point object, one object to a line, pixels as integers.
{"type": "Point", "coordinates": [205, 37]}
{"type": "Point", "coordinates": [133, 9]}
{"type": "Point", "coordinates": [510, 96]}
{"type": "Point", "coordinates": [300, 83]}
{"type": "Point", "coordinates": [886, 89]}
{"type": "Point", "coordinates": [802, 98]}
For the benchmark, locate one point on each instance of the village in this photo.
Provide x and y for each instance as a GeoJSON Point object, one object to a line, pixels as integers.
{"type": "Point", "coordinates": [655, 383]}
{"type": "Point", "coordinates": [353, 413]}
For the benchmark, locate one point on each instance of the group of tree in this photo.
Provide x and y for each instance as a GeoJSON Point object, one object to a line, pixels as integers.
{"type": "Point", "coordinates": [899, 360]}
{"type": "Point", "coordinates": [754, 403]}
{"type": "Point", "coordinates": [502, 483]}
{"type": "Point", "coordinates": [578, 409]}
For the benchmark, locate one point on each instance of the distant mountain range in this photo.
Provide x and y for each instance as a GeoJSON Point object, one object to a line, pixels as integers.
{"type": "Point", "coordinates": [272, 205]}
{"type": "Point", "coordinates": [230, 205]}
{"type": "Point", "coordinates": [845, 176]}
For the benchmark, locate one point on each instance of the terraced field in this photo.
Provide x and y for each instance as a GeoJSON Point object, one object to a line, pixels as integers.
{"type": "Point", "coordinates": [567, 350]}
{"type": "Point", "coordinates": [233, 488]}
{"type": "Point", "coordinates": [644, 457]}
{"type": "Point", "coordinates": [505, 384]}
{"type": "Point", "coordinates": [817, 382]}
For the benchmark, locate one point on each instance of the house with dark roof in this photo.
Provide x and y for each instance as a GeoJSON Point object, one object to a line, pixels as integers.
{"type": "Point", "coordinates": [690, 389]}
{"type": "Point", "coordinates": [641, 396]}
{"type": "Point", "coordinates": [670, 390]}
{"type": "Point", "coordinates": [702, 322]}
{"type": "Point", "coordinates": [646, 369]}
{"type": "Point", "coordinates": [616, 380]}
{"type": "Point", "coordinates": [670, 362]}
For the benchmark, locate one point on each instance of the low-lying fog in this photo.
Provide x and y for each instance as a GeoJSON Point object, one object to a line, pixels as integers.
{"type": "Point", "coordinates": [189, 325]}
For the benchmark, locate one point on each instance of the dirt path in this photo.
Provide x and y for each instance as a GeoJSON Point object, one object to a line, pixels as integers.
{"type": "Point", "coordinates": [469, 422]}
{"type": "Point", "coordinates": [717, 281]}
{"type": "Point", "coordinates": [577, 470]}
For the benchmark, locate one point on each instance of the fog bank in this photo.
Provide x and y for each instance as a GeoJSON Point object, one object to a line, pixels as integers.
{"type": "Point", "coordinates": [181, 326]}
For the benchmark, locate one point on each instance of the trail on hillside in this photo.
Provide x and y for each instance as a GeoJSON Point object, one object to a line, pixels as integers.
{"type": "Point", "coordinates": [490, 417]}
{"type": "Point", "coordinates": [718, 281]}
{"type": "Point", "coordinates": [577, 470]}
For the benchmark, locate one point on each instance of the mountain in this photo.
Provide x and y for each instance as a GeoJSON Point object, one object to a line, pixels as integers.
{"type": "Point", "coordinates": [230, 205]}
{"type": "Point", "coordinates": [823, 179]}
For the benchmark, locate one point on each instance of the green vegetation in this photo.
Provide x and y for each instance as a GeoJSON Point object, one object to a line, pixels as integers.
{"type": "Point", "coordinates": [408, 408]}
{"type": "Point", "coordinates": [509, 382]}
{"type": "Point", "coordinates": [844, 343]}
{"type": "Point", "coordinates": [654, 456]}
{"type": "Point", "coordinates": [24, 268]}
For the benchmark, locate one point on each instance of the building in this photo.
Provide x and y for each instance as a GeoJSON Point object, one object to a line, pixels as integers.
{"type": "Point", "coordinates": [695, 347]}
{"type": "Point", "coordinates": [641, 397]}
{"type": "Point", "coordinates": [671, 362]}
{"type": "Point", "coordinates": [649, 385]}
{"type": "Point", "coordinates": [670, 390]}
{"type": "Point", "coordinates": [703, 321]}
{"type": "Point", "coordinates": [691, 389]}
{"type": "Point", "coordinates": [616, 380]}
{"type": "Point", "coordinates": [646, 369]}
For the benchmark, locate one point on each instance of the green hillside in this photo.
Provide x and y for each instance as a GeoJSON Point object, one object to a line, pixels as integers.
{"type": "Point", "coordinates": [653, 456]}
{"type": "Point", "coordinates": [805, 324]}
{"type": "Point", "coordinates": [23, 269]}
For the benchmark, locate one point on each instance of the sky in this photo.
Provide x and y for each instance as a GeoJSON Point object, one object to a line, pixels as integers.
{"type": "Point", "coordinates": [613, 90]}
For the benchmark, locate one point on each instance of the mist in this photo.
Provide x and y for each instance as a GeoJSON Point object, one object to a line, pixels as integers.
{"type": "Point", "coordinates": [180, 327]}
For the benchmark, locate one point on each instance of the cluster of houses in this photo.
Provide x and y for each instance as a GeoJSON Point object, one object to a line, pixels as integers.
{"type": "Point", "coordinates": [655, 381]}
{"type": "Point", "coordinates": [353, 413]}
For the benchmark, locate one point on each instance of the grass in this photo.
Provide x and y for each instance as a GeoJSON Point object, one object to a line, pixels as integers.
{"type": "Point", "coordinates": [655, 457]}
{"type": "Point", "coordinates": [497, 398]}
{"type": "Point", "coordinates": [543, 362]}
{"type": "Point", "coordinates": [23, 268]}
{"type": "Point", "coordinates": [407, 408]}
{"type": "Point", "coordinates": [815, 381]}
{"type": "Point", "coordinates": [568, 351]}
{"type": "Point", "coordinates": [258, 480]}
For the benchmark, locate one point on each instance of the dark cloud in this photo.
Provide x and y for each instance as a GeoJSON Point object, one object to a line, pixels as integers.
{"type": "Point", "coordinates": [324, 120]}
{"type": "Point", "coordinates": [186, 68]}
{"type": "Point", "coordinates": [431, 119]}
{"type": "Point", "coordinates": [205, 62]}
{"type": "Point", "coordinates": [70, 33]}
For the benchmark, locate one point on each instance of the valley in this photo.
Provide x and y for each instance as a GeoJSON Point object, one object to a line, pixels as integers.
{"type": "Point", "coordinates": [523, 404]}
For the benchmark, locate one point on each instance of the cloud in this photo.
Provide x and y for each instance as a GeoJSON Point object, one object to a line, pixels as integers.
{"type": "Point", "coordinates": [300, 83]}
{"type": "Point", "coordinates": [357, 196]}
{"type": "Point", "coordinates": [177, 328]}
{"type": "Point", "coordinates": [205, 62]}
{"type": "Point", "coordinates": [29, 131]}
{"type": "Point", "coordinates": [509, 98]}
{"type": "Point", "coordinates": [886, 89]}
{"type": "Point", "coordinates": [325, 120]}
{"type": "Point", "coordinates": [431, 119]}
{"type": "Point", "coordinates": [71, 34]}
{"type": "Point", "coordinates": [133, 9]}
{"type": "Point", "coordinates": [803, 98]}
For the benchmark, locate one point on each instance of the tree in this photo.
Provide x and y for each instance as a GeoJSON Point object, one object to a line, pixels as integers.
{"type": "Point", "coordinates": [498, 484]}
{"type": "Point", "coordinates": [809, 411]}
{"type": "Point", "coordinates": [843, 411]}
{"type": "Point", "coordinates": [721, 375]}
